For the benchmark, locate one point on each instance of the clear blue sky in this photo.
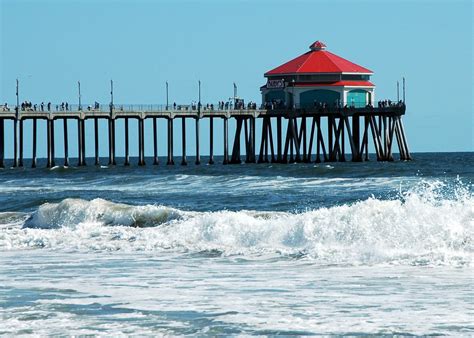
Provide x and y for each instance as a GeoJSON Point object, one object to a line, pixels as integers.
{"type": "Point", "coordinates": [50, 45]}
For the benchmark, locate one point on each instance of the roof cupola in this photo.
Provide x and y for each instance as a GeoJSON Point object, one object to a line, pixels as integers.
{"type": "Point", "coordinates": [318, 45]}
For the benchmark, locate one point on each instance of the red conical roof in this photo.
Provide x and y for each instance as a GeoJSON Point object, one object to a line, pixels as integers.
{"type": "Point", "coordinates": [318, 60]}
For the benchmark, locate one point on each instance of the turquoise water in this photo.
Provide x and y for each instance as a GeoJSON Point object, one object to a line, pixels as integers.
{"type": "Point", "coordinates": [331, 248]}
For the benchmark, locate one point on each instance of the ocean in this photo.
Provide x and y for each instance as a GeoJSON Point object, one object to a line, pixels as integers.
{"type": "Point", "coordinates": [251, 249]}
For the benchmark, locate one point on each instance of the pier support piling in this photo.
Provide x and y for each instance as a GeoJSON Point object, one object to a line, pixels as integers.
{"type": "Point", "coordinates": [252, 140]}
{"type": "Point", "coordinates": [226, 141]}
{"type": "Point", "coordinates": [141, 142]}
{"type": "Point", "coordinates": [279, 140]}
{"type": "Point", "coordinates": [111, 142]}
{"type": "Point", "coordinates": [49, 162]}
{"type": "Point", "coordinates": [79, 143]}
{"type": "Point", "coordinates": [198, 157]}
{"type": "Point", "coordinates": [15, 141]}
{"type": "Point", "coordinates": [170, 142]}
{"type": "Point", "coordinates": [53, 162]}
{"type": "Point", "coordinates": [66, 148]}
{"type": "Point", "coordinates": [20, 157]}
{"type": "Point", "coordinates": [155, 142]}
{"type": "Point", "coordinates": [83, 137]}
{"type": "Point", "coordinates": [211, 140]}
{"type": "Point", "coordinates": [96, 141]}
{"type": "Point", "coordinates": [127, 153]}
{"type": "Point", "coordinates": [35, 139]}
{"type": "Point", "coordinates": [356, 157]}
{"type": "Point", "coordinates": [247, 141]}
{"type": "Point", "coordinates": [183, 142]}
{"type": "Point", "coordinates": [235, 159]}
{"type": "Point", "coordinates": [2, 143]}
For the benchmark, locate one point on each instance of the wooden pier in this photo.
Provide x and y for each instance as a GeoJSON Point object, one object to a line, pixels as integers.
{"type": "Point", "coordinates": [304, 140]}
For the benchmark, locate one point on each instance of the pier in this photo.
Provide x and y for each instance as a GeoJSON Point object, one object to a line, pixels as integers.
{"type": "Point", "coordinates": [286, 136]}
{"type": "Point", "coordinates": [316, 107]}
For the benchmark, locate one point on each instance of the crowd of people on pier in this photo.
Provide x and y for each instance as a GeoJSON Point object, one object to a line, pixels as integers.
{"type": "Point", "coordinates": [389, 103]}
{"type": "Point", "coordinates": [221, 105]}
{"type": "Point", "coordinates": [29, 106]}
{"type": "Point", "coordinates": [275, 104]}
{"type": "Point", "coordinates": [46, 107]}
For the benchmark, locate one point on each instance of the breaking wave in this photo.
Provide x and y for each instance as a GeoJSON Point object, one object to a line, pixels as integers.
{"type": "Point", "coordinates": [422, 226]}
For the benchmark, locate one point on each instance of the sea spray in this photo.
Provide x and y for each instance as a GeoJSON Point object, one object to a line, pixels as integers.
{"type": "Point", "coordinates": [423, 226]}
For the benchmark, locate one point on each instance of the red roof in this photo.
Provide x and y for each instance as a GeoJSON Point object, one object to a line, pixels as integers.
{"type": "Point", "coordinates": [318, 60]}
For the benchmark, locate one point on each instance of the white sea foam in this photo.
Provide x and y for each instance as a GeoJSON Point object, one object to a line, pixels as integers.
{"type": "Point", "coordinates": [422, 226]}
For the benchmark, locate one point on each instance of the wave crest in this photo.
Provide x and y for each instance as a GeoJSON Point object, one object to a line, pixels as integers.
{"type": "Point", "coordinates": [73, 212]}
{"type": "Point", "coordinates": [421, 227]}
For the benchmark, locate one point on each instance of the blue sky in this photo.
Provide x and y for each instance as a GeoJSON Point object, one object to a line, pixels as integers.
{"type": "Point", "coordinates": [50, 45]}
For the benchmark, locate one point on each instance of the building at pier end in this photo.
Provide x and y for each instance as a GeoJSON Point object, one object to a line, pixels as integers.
{"type": "Point", "coordinates": [318, 77]}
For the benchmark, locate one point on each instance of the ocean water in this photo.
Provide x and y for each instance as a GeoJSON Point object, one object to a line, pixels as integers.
{"type": "Point", "coordinates": [330, 248]}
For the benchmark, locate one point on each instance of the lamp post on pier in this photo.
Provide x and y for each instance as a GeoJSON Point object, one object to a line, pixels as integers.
{"type": "Point", "coordinates": [111, 96]}
{"type": "Point", "coordinates": [166, 95]}
{"type": "Point", "coordinates": [79, 90]}
{"type": "Point", "coordinates": [403, 89]}
{"type": "Point", "coordinates": [235, 94]}
{"type": "Point", "coordinates": [198, 158]}
{"type": "Point", "coordinates": [199, 98]}
{"type": "Point", "coordinates": [111, 126]}
{"type": "Point", "coordinates": [15, 127]}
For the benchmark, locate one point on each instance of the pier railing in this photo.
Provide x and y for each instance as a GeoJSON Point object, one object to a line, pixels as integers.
{"type": "Point", "coordinates": [353, 106]}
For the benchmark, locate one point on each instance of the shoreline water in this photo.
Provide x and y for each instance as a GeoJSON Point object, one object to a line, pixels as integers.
{"type": "Point", "coordinates": [333, 248]}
